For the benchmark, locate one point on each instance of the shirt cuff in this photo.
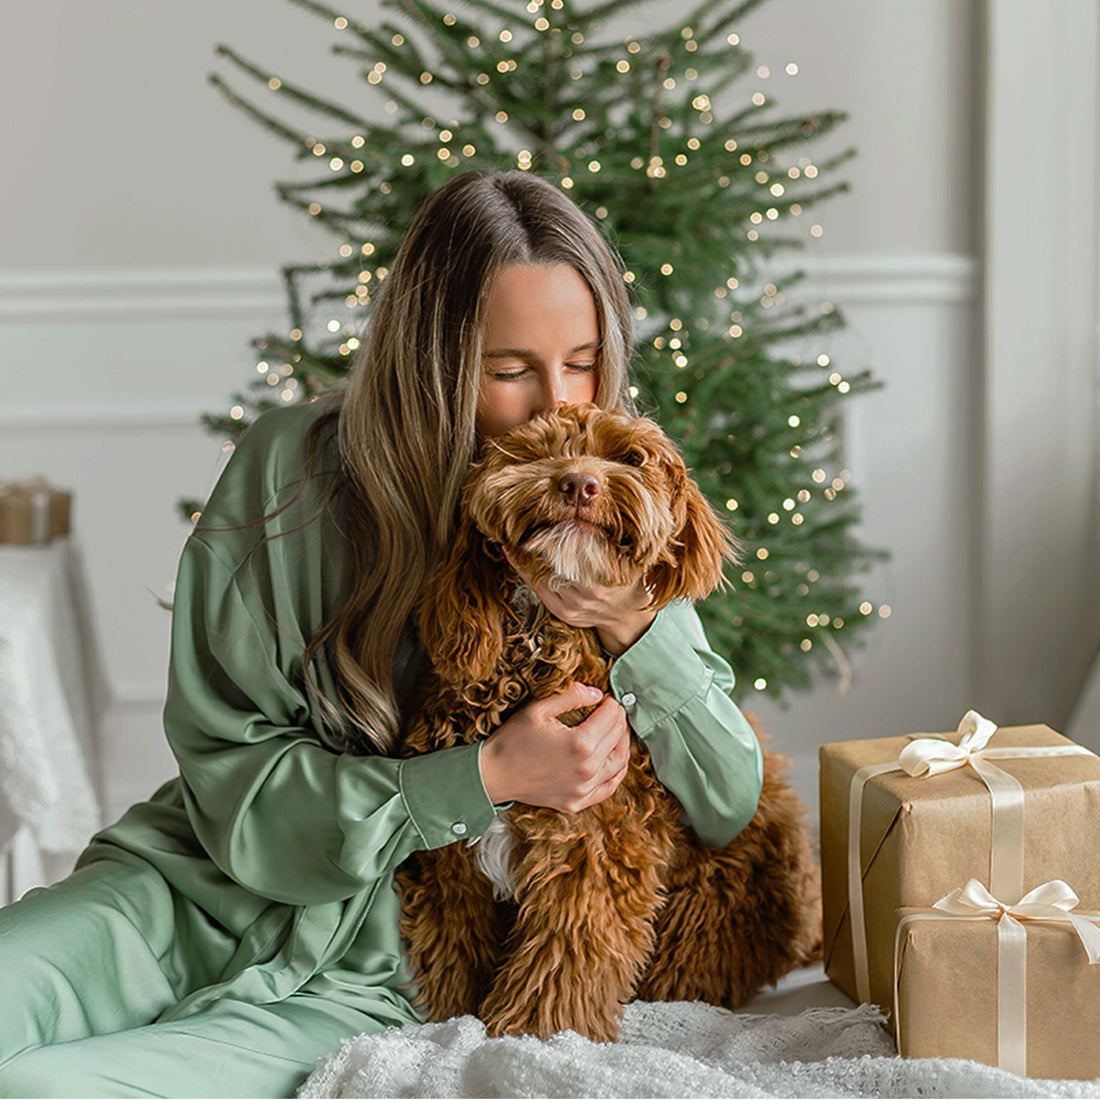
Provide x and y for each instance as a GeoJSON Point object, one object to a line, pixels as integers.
{"type": "Point", "coordinates": [659, 674]}
{"type": "Point", "coordinates": [445, 796]}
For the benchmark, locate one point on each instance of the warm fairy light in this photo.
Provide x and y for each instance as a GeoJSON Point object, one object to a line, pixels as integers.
{"type": "Point", "coordinates": [667, 269]}
{"type": "Point", "coordinates": [593, 166]}
{"type": "Point", "coordinates": [760, 683]}
{"type": "Point", "coordinates": [843, 387]}
{"type": "Point", "coordinates": [823, 359]}
{"type": "Point", "coordinates": [818, 475]}
{"type": "Point", "coordinates": [567, 182]}
{"type": "Point", "coordinates": [542, 23]}
{"type": "Point", "coordinates": [686, 32]}
{"type": "Point", "coordinates": [295, 334]}
{"type": "Point", "coordinates": [274, 83]}
{"type": "Point", "coordinates": [374, 77]}
{"type": "Point", "coordinates": [505, 35]}
{"type": "Point", "coordinates": [731, 505]}
{"type": "Point", "coordinates": [793, 421]}
{"type": "Point", "coordinates": [747, 577]}
{"type": "Point", "coordinates": [236, 412]}
{"type": "Point", "coordinates": [792, 69]}
{"type": "Point", "coordinates": [449, 19]}
{"type": "Point", "coordinates": [468, 150]}
{"type": "Point", "coordinates": [425, 78]}
{"type": "Point", "coordinates": [670, 83]}
{"type": "Point", "coordinates": [398, 40]}
{"type": "Point", "coordinates": [346, 250]}
{"type": "Point", "coordinates": [628, 276]}
{"type": "Point", "coordinates": [336, 164]}
{"type": "Point", "coordinates": [356, 166]}
{"type": "Point", "coordinates": [733, 39]}
{"type": "Point", "coordinates": [501, 116]}
{"type": "Point", "coordinates": [623, 66]}
{"type": "Point", "coordinates": [633, 47]}
{"type": "Point", "coordinates": [810, 172]}
{"type": "Point", "coordinates": [443, 153]}
{"type": "Point", "coordinates": [866, 607]}
{"type": "Point", "coordinates": [473, 41]}
{"type": "Point", "coordinates": [735, 331]}
{"type": "Point", "coordinates": [579, 115]}
{"type": "Point", "coordinates": [340, 23]}
{"type": "Point", "coordinates": [262, 367]}
{"type": "Point", "coordinates": [367, 249]}
{"type": "Point", "coordinates": [315, 208]}
{"type": "Point", "coordinates": [483, 78]}
{"type": "Point", "coordinates": [445, 135]}
{"type": "Point", "coordinates": [762, 553]}
{"type": "Point", "coordinates": [358, 141]}
{"type": "Point", "coordinates": [681, 361]}
{"type": "Point", "coordinates": [681, 397]}
{"type": "Point", "coordinates": [319, 150]}
{"type": "Point", "coordinates": [759, 99]}
{"type": "Point", "coordinates": [816, 230]}
{"type": "Point", "coordinates": [797, 519]}
{"type": "Point", "coordinates": [333, 326]}
{"type": "Point", "coordinates": [884, 611]}
{"type": "Point", "coordinates": [803, 494]}
{"type": "Point", "coordinates": [408, 159]}
{"type": "Point", "coordinates": [577, 38]}
{"type": "Point", "coordinates": [805, 645]}
{"type": "Point", "coordinates": [676, 325]}
{"type": "Point", "coordinates": [773, 517]}
{"type": "Point", "coordinates": [634, 391]}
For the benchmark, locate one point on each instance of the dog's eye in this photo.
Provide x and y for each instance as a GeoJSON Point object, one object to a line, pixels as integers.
{"type": "Point", "coordinates": [632, 458]}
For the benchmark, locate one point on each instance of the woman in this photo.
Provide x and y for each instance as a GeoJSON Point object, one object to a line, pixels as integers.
{"type": "Point", "coordinates": [224, 935]}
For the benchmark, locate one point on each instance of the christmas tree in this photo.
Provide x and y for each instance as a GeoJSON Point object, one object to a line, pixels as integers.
{"type": "Point", "coordinates": [695, 201]}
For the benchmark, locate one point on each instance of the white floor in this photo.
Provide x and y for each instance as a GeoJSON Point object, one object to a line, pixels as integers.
{"type": "Point", "coordinates": [806, 987]}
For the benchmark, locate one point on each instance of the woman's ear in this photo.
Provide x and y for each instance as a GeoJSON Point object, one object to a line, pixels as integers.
{"type": "Point", "coordinates": [691, 567]}
{"type": "Point", "coordinates": [462, 614]}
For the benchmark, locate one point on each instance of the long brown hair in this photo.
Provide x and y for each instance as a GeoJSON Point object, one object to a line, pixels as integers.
{"type": "Point", "coordinates": [407, 419]}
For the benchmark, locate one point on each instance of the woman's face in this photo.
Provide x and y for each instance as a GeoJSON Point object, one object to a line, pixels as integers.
{"type": "Point", "coordinates": [540, 345]}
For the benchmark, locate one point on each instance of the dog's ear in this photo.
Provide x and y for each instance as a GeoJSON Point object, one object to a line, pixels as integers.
{"type": "Point", "coordinates": [462, 614]}
{"type": "Point", "coordinates": [691, 567]}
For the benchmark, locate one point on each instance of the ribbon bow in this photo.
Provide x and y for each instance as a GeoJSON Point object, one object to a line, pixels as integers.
{"type": "Point", "coordinates": [933, 755]}
{"type": "Point", "coordinates": [1050, 902]}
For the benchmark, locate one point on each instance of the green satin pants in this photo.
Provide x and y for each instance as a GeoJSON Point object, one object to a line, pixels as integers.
{"type": "Point", "coordinates": [88, 964]}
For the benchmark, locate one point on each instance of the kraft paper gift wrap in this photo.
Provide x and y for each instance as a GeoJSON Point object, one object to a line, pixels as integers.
{"type": "Point", "coordinates": [919, 837]}
{"type": "Point", "coordinates": [947, 997]}
{"type": "Point", "coordinates": [33, 511]}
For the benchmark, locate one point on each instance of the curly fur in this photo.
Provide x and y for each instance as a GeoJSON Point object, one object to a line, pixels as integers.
{"type": "Point", "coordinates": [618, 901]}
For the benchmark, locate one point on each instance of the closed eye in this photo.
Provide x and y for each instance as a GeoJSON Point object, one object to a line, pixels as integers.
{"type": "Point", "coordinates": [583, 368]}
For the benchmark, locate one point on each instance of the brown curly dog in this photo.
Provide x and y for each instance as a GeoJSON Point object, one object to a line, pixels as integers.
{"type": "Point", "coordinates": [618, 901]}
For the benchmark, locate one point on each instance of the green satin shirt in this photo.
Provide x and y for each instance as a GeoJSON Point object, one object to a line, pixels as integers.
{"type": "Point", "coordinates": [278, 849]}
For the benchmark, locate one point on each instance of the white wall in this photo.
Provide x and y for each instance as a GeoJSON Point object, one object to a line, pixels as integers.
{"type": "Point", "coordinates": [139, 247]}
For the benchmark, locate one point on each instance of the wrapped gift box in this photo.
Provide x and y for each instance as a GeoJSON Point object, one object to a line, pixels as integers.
{"type": "Point", "coordinates": [918, 838]}
{"type": "Point", "coordinates": [33, 511]}
{"type": "Point", "coordinates": [950, 1004]}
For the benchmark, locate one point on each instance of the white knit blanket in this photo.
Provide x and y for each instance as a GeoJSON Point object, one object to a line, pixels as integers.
{"type": "Point", "coordinates": [673, 1049]}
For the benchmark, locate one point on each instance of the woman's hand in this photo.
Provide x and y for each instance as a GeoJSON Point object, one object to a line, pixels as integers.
{"type": "Point", "coordinates": [534, 758]}
{"type": "Point", "coordinates": [619, 614]}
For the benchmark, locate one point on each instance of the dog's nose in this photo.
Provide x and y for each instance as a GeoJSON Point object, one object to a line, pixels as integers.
{"type": "Point", "coordinates": [579, 488]}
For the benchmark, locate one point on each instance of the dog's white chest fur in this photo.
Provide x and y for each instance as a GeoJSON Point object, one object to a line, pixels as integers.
{"type": "Point", "coordinates": [494, 856]}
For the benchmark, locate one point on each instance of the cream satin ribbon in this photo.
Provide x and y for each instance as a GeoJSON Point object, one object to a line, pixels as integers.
{"type": "Point", "coordinates": [1050, 902]}
{"type": "Point", "coordinates": [928, 756]}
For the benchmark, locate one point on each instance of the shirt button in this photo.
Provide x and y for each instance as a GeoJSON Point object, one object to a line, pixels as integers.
{"type": "Point", "coordinates": [629, 699]}
{"type": "Point", "coordinates": [459, 828]}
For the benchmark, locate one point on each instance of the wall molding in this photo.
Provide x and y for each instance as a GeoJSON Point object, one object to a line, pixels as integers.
{"type": "Point", "coordinates": [136, 296]}
{"type": "Point", "coordinates": [128, 295]}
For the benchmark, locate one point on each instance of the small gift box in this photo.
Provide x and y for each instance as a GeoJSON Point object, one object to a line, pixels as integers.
{"type": "Point", "coordinates": [33, 511]}
{"type": "Point", "coordinates": [905, 819]}
{"type": "Point", "coordinates": [1008, 985]}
